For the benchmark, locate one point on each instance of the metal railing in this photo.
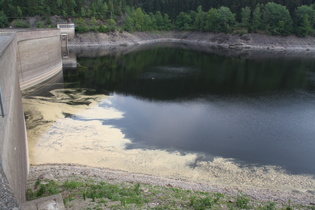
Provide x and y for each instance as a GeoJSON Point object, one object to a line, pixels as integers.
{"type": "Point", "coordinates": [1, 103]}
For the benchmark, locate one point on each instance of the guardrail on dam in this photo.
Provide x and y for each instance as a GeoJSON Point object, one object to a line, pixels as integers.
{"type": "Point", "coordinates": [26, 59]}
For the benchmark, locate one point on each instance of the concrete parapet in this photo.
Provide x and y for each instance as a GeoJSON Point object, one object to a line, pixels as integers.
{"type": "Point", "coordinates": [13, 143]}
{"type": "Point", "coordinates": [24, 35]}
{"type": "Point", "coordinates": [26, 59]}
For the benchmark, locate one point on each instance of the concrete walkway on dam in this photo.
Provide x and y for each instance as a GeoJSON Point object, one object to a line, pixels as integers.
{"type": "Point", "coordinates": [3, 40]}
{"type": "Point", "coordinates": [27, 58]}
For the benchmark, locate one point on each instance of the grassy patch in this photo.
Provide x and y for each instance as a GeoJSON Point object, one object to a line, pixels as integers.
{"type": "Point", "coordinates": [206, 202]}
{"type": "Point", "coordinates": [242, 201]}
{"type": "Point", "coordinates": [91, 194]}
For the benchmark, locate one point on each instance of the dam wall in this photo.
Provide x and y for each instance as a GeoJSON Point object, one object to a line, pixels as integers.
{"type": "Point", "coordinates": [38, 57]}
{"type": "Point", "coordinates": [13, 141]}
{"type": "Point", "coordinates": [26, 59]}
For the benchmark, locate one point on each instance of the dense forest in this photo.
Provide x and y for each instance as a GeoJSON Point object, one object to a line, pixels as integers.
{"type": "Point", "coordinates": [276, 17]}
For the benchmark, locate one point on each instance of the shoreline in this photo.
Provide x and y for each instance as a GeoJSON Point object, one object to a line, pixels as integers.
{"type": "Point", "coordinates": [246, 42]}
{"type": "Point", "coordinates": [62, 172]}
{"type": "Point", "coordinates": [107, 148]}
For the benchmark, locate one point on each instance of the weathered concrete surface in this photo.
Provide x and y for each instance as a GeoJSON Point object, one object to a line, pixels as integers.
{"type": "Point", "coordinates": [13, 144]}
{"type": "Point", "coordinates": [7, 198]}
{"type": "Point", "coordinates": [38, 56]}
{"type": "Point", "coordinates": [53, 202]}
{"type": "Point", "coordinates": [26, 59]}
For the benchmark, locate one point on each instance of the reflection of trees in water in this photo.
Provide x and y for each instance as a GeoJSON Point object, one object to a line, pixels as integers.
{"type": "Point", "coordinates": [207, 74]}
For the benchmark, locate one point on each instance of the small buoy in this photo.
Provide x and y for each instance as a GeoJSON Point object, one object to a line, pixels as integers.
{"type": "Point", "coordinates": [152, 77]}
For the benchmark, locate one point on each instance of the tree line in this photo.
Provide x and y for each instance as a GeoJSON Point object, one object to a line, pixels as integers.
{"type": "Point", "coordinates": [278, 17]}
{"type": "Point", "coordinates": [174, 7]}
{"type": "Point", "coordinates": [271, 17]}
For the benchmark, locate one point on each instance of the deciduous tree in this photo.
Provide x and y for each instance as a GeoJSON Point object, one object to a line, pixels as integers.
{"type": "Point", "coordinates": [305, 16]}
{"type": "Point", "coordinates": [278, 19]}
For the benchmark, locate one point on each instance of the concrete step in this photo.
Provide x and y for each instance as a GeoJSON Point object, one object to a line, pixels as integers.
{"type": "Point", "coordinates": [53, 202]}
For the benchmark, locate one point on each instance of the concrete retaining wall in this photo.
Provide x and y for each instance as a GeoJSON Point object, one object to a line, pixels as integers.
{"type": "Point", "coordinates": [26, 58]}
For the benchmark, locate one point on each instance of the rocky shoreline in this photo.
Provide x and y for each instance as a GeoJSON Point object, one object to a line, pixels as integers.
{"type": "Point", "coordinates": [247, 42]}
{"type": "Point", "coordinates": [62, 172]}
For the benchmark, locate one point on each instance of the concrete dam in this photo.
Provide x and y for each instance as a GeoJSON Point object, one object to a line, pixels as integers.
{"type": "Point", "coordinates": [27, 58]}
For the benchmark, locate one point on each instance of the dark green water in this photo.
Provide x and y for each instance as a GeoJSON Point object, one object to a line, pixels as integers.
{"type": "Point", "coordinates": [259, 111]}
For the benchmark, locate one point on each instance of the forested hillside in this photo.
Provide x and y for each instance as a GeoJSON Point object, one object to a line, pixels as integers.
{"type": "Point", "coordinates": [277, 17]}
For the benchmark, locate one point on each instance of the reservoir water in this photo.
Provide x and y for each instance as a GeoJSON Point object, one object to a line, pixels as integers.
{"type": "Point", "coordinates": [206, 112]}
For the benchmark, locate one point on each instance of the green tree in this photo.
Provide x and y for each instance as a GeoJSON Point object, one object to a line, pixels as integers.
{"type": "Point", "coordinates": [110, 9]}
{"type": "Point", "coordinates": [83, 14]}
{"type": "Point", "coordinates": [117, 7]}
{"type": "Point", "coordinates": [138, 17]}
{"type": "Point", "coordinates": [3, 20]}
{"type": "Point", "coordinates": [211, 23]}
{"type": "Point", "coordinates": [89, 13]}
{"type": "Point", "coordinates": [147, 23]}
{"type": "Point", "coordinates": [104, 10]}
{"type": "Point", "coordinates": [19, 12]}
{"type": "Point", "coordinates": [64, 13]}
{"type": "Point", "coordinates": [158, 20]}
{"type": "Point", "coordinates": [277, 19]}
{"type": "Point", "coordinates": [59, 3]}
{"type": "Point", "coordinates": [226, 19]}
{"type": "Point", "coordinates": [111, 22]}
{"type": "Point", "coordinates": [305, 16]}
{"type": "Point", "coordinates": [99, 9]}
{"type": "Point", "coordinates": [184, 21]}
{"type": "Point", "coordinates": [17, 23]}
{"type": "Point", "coordinates": [199, 19]}
{"type": "Point", "coordinates": [32, 7]}
{"type": "Point", "coordinates": [128, 24]}
{"type": "Point", "coordinates": [245, 17]}
{"type": "Point", "coordinates": [153, 21]}
{"type": "Point", "coordinates": [305, 27]}
{"type": "Point", "coordinates": [81, 25]}
{"type": "Point", "coordinates": [167, 23]}
{"type": "Point", "coordinates": [257, 19]}
{"type": "Point", "coordinates": [103, 29]}
{"type": "Point", "coordinates": [93, 23]}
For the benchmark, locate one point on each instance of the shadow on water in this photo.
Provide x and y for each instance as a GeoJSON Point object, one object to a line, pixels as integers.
{"type": "Point", "coordinates": [255, 108]}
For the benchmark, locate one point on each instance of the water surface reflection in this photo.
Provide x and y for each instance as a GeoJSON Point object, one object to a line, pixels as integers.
{"type": "Point", "coordinates": [257, 110]}
{"type": "Point", "coordinates": [188, 114]}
